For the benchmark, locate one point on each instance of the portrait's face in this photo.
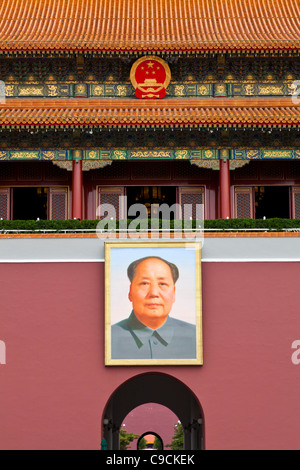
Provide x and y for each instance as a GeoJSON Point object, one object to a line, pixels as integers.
{"type": "Point", "coordinates": [152, 292]}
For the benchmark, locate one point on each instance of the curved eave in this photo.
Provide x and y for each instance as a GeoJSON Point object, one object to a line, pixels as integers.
{"type": "Point", "coordinates": [143, 26]}
{"type": "Point", "coordinates": [45, 113]}
{"type": "Point", "coordinates": [150, 47]}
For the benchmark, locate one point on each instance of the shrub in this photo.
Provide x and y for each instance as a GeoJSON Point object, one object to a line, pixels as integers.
{"type": "Point", "coordinates": [32, 226]}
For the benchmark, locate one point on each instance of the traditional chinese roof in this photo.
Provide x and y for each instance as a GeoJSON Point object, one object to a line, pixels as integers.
{"type": "Point", "coordinates": [167, 112]}
{"type": "Point", "coordinates": [143, 25]}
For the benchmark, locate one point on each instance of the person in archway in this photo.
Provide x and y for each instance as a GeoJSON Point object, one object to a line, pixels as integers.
{"type": "Point", "coordinates": [150, 332]}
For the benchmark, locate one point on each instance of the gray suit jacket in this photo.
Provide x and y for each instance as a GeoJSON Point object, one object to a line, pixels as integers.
{"type": "Point", "coordinates": [131, 339]}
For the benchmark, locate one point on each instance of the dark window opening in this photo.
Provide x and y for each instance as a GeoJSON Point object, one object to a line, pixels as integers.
{"type": "Point", "coordinates": [30, 203]}
{"type": "Point", "coordinates": [151, 195]}
{"type": "Point", "coordinates": [272, 202]}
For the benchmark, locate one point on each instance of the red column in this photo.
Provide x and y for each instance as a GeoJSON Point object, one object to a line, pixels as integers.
{"type": "Point", "coordinates": [77, 190]}
{"type": "Point", "coordinates": [225, 203]}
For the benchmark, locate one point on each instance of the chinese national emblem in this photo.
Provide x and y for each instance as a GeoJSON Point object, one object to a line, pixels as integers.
{"type": "Point", "coordinates": [150, 77]}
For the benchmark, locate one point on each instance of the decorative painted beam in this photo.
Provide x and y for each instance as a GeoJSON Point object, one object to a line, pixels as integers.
{"type": "Point", "coordinates": [35, 155]}
{"type": "Point", "coordinates": [265, 154]}
{"type": "Point", "coordinates": [213, 88]}
{"type": "Point", "coordinates": [98, 155]}
{"type": "Point", "coordinates": [188, 154]}
{"type": "Point", "coordinates": [159, 154]}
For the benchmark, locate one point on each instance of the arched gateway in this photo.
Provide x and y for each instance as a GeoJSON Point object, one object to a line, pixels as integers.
{"type": "Point", "coordinates": [156, 388]}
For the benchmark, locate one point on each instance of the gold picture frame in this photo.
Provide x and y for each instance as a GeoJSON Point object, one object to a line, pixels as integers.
{"type": "Point", "coordinates": [138, 271]}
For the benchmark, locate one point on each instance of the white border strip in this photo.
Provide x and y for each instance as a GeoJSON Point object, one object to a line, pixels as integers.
{"type": "Point", "coordinates": [215, 250]}
{"type": "Point", "coordinates": [250, 260]}
{"type": "Point", "coordinates": [58, 260]}
{"type": "Point", "coordinates": [204, 260]}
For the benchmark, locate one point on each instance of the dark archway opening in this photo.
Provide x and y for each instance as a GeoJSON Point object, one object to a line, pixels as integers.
{"type": "Point", "coordinates": [151, 195]}
{"type": "Point", "coordinates": [272, 202]}
{"type": "Point", "coordinates": [160, 419]}
{"type": "Point", "coordinates": [30, 203]}
{"type": "Point", "coordinates": [157, 388]}
{"type": "Point", "coordinates": [150, 440]}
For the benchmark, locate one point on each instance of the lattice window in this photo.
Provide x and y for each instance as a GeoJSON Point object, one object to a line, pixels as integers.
{"type": "Point", "coordinates": [148, 170]}
{"type": "Point", "coordinates": [4, 203]}
{"type": "Point", "coordinates": [293, 170]}
{"type": "Point", "coordinates": [8, 171]}
{"type": "Point", "coordinates": [183, 170]}
{"type": "Point", "coordinates": [31, 171]}
{"type": "Point", "coordinates": [58, 203]}
{"type": "Point", "coordinates": [247, 172]}
{"type": "Point", "coordinates": [192, 202]}
{"type": "Point", "coordinates": [54, 173]}
{"type": "Point", "coordinates": [296, 202]}
{"type": "Point", "coordinates": [111, 195]}
{"type": "Point", "coordinates": [117, 170]}
{"type": "Point", "coordinates": [272, 171]}
{"type": "Point", "coordinates": [243, 202]}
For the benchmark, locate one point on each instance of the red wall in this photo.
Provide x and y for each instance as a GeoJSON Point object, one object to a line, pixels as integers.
{"type": "Point", "coordinates": [54, 386]}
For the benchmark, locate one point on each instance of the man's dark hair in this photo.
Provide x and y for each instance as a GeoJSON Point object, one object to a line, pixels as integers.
{"type": "Point", "coordinates": [131, 270]}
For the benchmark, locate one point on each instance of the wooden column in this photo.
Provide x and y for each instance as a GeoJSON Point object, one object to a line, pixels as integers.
{"type": "Point", "coordinates": [77, 190]}
{"type": "Point", "coordinates": [225, 203]}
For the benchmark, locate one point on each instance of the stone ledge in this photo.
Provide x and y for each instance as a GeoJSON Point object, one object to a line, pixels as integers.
{"type": "Point", "coordinates": [139, 235]}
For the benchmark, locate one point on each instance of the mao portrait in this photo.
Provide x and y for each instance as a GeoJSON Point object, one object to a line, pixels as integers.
{"type": "Point", "coordinates": [153, 303]}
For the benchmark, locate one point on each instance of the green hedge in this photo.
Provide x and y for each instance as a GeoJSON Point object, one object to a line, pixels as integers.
{"type": "Point", "coordinates": [90, 225]}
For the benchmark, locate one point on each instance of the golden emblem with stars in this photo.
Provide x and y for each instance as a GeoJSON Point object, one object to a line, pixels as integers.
{"type": "Point", "coordinates": [150, 77]}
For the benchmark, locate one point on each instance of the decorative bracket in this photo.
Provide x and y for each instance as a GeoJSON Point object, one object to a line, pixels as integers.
{"type": "Point", "coordinates": [86, 164]}
{"type": "Point", "coordinates": [215, 164]}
